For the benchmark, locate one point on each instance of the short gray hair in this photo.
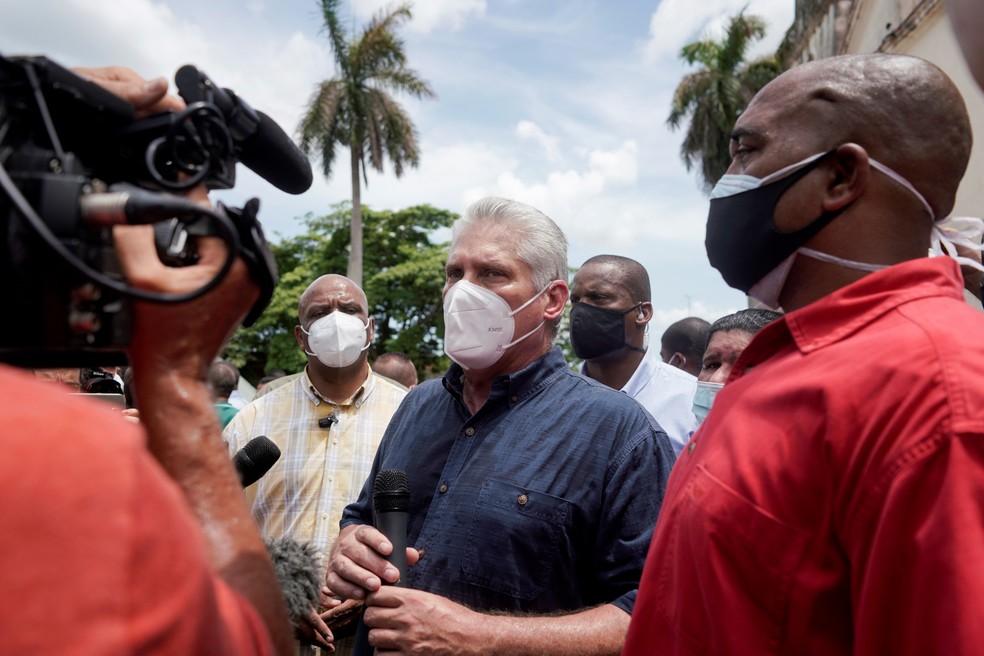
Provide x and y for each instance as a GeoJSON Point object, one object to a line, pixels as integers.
{"type": "Point", "coordinates": [542, 246]}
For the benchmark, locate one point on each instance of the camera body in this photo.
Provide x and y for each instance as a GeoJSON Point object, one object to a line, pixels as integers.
{"type": "Point", "coordinates": [65, 141]}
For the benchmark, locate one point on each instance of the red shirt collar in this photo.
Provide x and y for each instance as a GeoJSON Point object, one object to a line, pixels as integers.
{"type": "Point", "coordinates": [842, 313]}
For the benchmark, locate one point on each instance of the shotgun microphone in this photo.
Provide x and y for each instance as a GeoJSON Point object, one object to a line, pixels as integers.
{"type": "Point", "coordinates": [259, 142]}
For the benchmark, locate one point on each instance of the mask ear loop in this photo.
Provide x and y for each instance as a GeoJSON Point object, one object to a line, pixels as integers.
{"type": "Point", "coordinates": [513, 313]}
{"type": "Point", "coordinates": [527, 303]}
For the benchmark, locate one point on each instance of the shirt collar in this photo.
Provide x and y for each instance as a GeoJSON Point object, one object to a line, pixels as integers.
{"type": "Point", "coordinates": [644, 373]}
{"type": "Point", "coordinates": [849, 309]}
{"type": "Point", "coordinates": [514, 387]}
{"type": "Point", "coordinates": [357, 399]}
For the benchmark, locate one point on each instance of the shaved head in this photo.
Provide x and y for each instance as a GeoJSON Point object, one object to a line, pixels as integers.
{"type": "Point", "coordinates": [904, 111]}
{"type": "Point", "coordinates": [634, 276]}
{"type": "Point", "coordinates": [335, 285]}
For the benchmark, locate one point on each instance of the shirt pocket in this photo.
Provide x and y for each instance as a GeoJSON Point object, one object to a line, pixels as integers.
{"type": "Point", "coordinates": [727, 570]}
{"type": "Point", "coordinates": [513, 539]}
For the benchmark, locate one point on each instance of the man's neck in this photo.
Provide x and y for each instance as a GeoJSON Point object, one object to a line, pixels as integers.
{"type": "Point", "coordinates": [477, 384]}
{"type": "Point", "coordinates": [614, 369]}
{"type": "Point", "coordinates": [338, 384]}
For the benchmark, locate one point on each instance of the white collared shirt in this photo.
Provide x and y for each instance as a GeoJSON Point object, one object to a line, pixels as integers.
{"type": "Point", "coordinates": [668, 394]}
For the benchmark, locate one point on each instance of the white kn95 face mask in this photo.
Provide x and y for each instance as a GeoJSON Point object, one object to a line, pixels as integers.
{"type": "Point", "coordinates": [337, 339]}
{"type": "Point", "coordinates": [479, 325]}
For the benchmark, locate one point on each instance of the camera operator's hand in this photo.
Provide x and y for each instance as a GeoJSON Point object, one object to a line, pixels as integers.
{"type": "Point", "coordinates": [146, 96]}
{"type": "Point", "coordinates": [182, 337]}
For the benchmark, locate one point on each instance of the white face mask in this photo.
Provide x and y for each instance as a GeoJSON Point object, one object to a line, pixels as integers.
{"type": "Point", "coordinates": [704, 399]}
{"type": "Point", "coordinates": [337, 339]}
{"type": "Point", "coordinates": [479, 325]}
{"type": "Point", "coordinates": [767, 290]}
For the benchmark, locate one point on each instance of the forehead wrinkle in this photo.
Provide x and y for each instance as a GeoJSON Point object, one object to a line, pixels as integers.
{"type": "Point", "coordinates": [333, 286]}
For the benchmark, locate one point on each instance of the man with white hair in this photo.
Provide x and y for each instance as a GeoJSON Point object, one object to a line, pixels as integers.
{"type": "Point", "coordinates": [532, 489]}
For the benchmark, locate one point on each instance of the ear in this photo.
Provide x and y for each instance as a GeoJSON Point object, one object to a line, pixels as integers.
{"type": "Point", "coordinates": [556, 297]}
{"type": "Point", "coordinates": [372, 329]}
{"type": "Point", "coordinates": [850, 170]}
{"type": "Point", "coordinates": [299, 336]}
{"type": "Point", "coordinates": [644, 313]}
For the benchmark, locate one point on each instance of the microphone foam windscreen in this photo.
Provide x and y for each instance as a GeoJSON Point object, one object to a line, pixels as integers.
{"type": "Point", "coordinates": [298, 573]}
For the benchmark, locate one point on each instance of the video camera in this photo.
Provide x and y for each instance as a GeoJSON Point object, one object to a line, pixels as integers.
{"type": "Point", "coordinates": [74, 161]}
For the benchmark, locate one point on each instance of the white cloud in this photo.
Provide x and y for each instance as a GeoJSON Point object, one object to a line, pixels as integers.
{"type": "Point", "coordinates": [563, 191]}
{"type": "Point", "coordinates": [532, 131]}
{"type": "Point", "coordinates": [678, 22]}
{"type": "Point", "coordinates": [428, 15]}
{"type": "Point", "coordinates": [620, 167]}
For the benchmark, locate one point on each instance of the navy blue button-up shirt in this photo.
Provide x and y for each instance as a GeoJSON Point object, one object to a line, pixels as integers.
{"type": "Point", "coordinates": [544, 500]}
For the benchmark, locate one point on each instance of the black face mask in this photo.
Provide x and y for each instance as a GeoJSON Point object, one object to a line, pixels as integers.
{"type": "Point", "coordinates": [741, 239]}
{"type": "Point", "coordinates": [596, 331]}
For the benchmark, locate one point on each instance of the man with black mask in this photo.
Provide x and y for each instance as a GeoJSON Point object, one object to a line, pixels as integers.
{"type": "Point", "coordinates": [610, 314]}
{"type": "Point", "coordinates": [831, 502]}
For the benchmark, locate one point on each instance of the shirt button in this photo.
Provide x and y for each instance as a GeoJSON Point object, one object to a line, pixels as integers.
{"type": "Point", "coordinates": [324, 516]}
{"type": "Point", "coordinates": [420, 552]}
{"type": "Point", "coordinates": [443, 488]}
{"type": "Point", "coordinates": [469, 431]}
{"type": "Point", "coordinates": [334, 441]}
{"type": "Point", "coordinates": [331, 478]}
{"type": "Point", "coordinates": [514, 398]}
{"type": "Point", "coordinates": [522, 499]}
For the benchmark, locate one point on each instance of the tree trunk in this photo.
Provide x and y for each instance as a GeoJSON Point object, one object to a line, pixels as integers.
{"type": "Point", "coordinates": [355, 245]}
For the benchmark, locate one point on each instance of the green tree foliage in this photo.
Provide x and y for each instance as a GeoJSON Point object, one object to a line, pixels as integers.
{"type": "Point", "coordinates": [355, 109]}
{"type": "Point", "coordinates": [713, 96]}
{"type": "Point", "coordinates": [404, 275]}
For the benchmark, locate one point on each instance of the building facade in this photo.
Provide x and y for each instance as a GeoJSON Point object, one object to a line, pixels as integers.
{"type": "Point", "coordinates": [823, 28]}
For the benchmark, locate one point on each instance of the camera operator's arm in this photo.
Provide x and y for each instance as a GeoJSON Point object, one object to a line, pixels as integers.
{"type": "Point", "coordinates": [146, 96]}
{"type": "Point", "coordinates": [172, 348]}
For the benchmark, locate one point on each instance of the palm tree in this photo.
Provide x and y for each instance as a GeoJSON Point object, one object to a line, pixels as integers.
{"type": "Point", "coordinates": [355, 108]}
{"type": "Point", "coordinates": [714, 95]}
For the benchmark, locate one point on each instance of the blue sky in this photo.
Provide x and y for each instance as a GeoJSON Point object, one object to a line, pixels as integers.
{"type": "Point", "coordinates": [558, 103]}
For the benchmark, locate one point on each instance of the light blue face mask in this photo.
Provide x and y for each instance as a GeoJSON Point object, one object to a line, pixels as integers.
{"type": "Point", "coordinates": [704, 399]}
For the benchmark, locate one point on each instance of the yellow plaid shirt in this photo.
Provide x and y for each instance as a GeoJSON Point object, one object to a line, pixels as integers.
{"type": "Point", "coordinates": [320, 470]}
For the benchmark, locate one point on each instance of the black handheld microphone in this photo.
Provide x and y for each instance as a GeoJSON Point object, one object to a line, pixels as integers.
{"type": "Point", "coordinates": [391, 501]}
{"type": "Point", "coordinates": [255, 459]}
{"type": "Point", "coordinates": [260, 143]}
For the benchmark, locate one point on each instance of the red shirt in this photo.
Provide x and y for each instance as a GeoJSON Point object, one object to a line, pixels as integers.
{"type": "Point", "coordinates": [98, 552]}
{"type": "Point", "coordinates": [833, 500]}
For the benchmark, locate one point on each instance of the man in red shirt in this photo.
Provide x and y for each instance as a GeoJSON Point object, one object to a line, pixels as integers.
{"type": "Point", "coordinates": [833, 500]}
{"type": "Point", "coordinates": [119, 542]}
